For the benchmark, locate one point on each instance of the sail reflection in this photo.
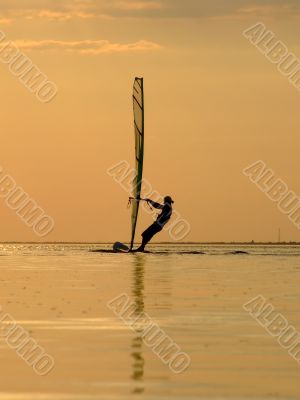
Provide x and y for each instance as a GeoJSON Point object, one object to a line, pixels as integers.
{"type": "Point", "coordinates": [137, 342]}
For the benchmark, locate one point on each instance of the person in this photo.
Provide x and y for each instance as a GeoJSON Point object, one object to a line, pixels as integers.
{"type": "Point", "coordinates": [160, 222]}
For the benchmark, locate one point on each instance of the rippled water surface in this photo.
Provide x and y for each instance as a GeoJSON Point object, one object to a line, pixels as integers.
{"type": "Point", "coordinates": [58, 293]}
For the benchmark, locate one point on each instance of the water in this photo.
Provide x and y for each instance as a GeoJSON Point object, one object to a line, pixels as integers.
{"type": "Point", "coordinates": [59, 294]}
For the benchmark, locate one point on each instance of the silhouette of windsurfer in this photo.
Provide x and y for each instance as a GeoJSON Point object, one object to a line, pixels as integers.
{"type": "Point", "coordinates": [160, 222]}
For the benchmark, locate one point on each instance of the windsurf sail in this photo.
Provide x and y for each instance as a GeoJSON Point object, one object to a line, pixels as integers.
{"type": "Point", "coordinates": [138, 112]}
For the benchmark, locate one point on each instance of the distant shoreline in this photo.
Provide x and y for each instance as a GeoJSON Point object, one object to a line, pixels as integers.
{"type": "Point", "coordinates": [173, 243]}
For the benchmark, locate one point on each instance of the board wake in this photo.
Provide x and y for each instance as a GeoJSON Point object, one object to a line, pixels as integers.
{"type": "Point", "coordinates": [146, 252]}
{"type": "Point", "coordinates": [123, 249]}
{"type": "Point", "coordinates": [119, 247]}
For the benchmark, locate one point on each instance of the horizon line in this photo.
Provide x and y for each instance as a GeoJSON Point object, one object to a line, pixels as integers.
{"type": "Point", "coordinates": [155, 243]}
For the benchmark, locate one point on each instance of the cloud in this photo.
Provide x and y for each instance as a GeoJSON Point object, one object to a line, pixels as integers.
{"type": "Point", "coordinates": [267, 10]}
{"type": "Point", "coordinates": [5, 21]}
{"type": "Point", "coordinates": [87, 47]}
{"type": "Point", "coordinates": [190, 8]}
{"type": "Point", "coordinates": [59, 15]}
{"type": "Point", "coordinates": [65, 10]}
{"type": "Point", "coordinates": [139, 5]}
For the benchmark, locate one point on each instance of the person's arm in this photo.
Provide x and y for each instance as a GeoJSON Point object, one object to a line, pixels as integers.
{"type": "Point", "coordinates": [154, 204]}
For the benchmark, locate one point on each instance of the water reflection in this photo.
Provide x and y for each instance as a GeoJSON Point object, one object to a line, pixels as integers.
{"type": "Point", "coordinates": [137, 342]}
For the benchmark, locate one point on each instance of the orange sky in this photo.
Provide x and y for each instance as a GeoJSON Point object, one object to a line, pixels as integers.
{"type": "Point", "coordinates": [214, 105]}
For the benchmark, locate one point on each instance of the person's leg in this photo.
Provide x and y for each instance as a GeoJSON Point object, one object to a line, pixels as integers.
{"type": "Point", "coordinates": [148, 235]}
{"type": "Point", "coordinates": [144, 242]}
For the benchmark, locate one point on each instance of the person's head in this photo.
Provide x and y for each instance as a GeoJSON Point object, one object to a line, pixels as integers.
{"type": "Point", "coordinates": [168, 199]}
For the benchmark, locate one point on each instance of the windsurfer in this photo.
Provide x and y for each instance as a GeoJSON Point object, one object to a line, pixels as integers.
{"type": "Point", "coordinates": [160, 222]}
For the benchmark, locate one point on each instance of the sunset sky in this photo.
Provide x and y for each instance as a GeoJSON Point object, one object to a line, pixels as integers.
{"type": "Point", "coordinates": [214, 105]}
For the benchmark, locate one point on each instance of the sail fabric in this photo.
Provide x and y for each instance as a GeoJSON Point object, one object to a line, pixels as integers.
{"type": "Point", "coordinates": [138, 112]}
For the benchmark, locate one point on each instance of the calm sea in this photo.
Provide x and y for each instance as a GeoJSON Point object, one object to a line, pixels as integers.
{"type": "Point", "coordinates": [58, 294]}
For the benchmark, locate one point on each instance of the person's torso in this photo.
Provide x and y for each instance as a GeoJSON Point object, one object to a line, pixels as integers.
{"type": "Point", "coordinates": [165, 214]}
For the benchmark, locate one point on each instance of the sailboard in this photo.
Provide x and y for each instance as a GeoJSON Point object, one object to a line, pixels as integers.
{"type": "Point", "coordinates": [139, 130]}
